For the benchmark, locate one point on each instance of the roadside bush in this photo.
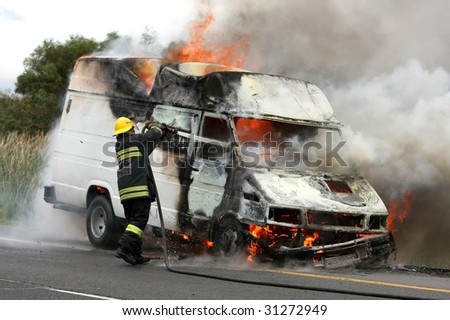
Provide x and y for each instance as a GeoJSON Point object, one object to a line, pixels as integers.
{"type": "Point", "coordinates": [21, 159]}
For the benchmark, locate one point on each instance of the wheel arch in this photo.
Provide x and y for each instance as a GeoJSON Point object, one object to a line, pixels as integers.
{"type": "Point", "coordinates": [97, 188]}
{"type": "Point", "coordinates": [229, 235]}
{"type": "Point", "coordinates": [215, 221]}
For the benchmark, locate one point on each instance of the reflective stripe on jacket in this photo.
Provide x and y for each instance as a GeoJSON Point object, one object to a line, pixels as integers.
{"type": "Point", "coordinates": [132, 151]}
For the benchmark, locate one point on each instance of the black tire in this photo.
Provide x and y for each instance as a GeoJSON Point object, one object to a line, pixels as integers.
{"type": "Point", "coordinates": [228, 237]}
{"type": "Point", "coordinates": [102, 226]}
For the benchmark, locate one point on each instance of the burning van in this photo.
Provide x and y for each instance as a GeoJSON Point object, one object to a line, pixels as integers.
{"type": "Point", "coordinates": [256, 164]}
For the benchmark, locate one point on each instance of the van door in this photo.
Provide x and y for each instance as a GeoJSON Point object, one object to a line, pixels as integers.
{"type": "Point", "coordinates": [170, 163]}
{"type": "Point", "coordinates": [209, 176]}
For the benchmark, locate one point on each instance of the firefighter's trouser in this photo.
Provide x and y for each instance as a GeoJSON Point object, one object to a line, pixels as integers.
{"type": "Point", "coordinates": [136, 213]}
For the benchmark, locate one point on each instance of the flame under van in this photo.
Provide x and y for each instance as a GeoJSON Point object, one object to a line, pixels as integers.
{"type": "Point", "coordinates": [256, 166]}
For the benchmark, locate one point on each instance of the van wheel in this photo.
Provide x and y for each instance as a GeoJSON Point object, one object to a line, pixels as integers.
{"type": "Point", "coordinates": [228, 237]}
{"type": "Point", "coordinates": [102, 226]}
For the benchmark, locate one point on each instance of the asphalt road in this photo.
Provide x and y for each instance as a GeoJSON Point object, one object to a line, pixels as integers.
{"type": "Point", "coordinates": [41, 264]}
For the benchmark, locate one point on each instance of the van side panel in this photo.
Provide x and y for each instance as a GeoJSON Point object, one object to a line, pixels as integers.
{"type": "Point", "coordinates": [85, 150]}
{"type": "Point", "coordinates": [170, 165]}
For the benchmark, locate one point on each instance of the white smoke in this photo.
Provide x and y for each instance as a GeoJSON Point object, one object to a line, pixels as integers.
{"type": "Point", "coordinates": [46, 223]}
{"type": "Point", "coordinates": [337, 41]}
{"type": "Point", "coordinates": [147, 44]}
{"type": "Point", "coordinates": [399, 137]}
{"type": "Point", "coordinates": [400, 125]}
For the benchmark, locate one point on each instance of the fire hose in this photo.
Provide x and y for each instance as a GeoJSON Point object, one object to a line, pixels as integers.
{"type": "Point", "coordinates": [290, 286]}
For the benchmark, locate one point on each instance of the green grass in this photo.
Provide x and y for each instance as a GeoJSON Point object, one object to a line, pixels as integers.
{"type": "Point", "coordinates": [21, 159]}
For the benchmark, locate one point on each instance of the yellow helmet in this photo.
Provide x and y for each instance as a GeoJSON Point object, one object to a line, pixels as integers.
{"type": "Point", "coordinates": [122, 125]}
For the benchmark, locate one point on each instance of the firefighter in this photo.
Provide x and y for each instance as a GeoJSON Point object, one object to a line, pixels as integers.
{"type": "Point", "coordinates": [136, 188]}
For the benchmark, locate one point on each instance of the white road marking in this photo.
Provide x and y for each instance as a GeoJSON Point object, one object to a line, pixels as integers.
{"type": "Point", "coordinates": [43, 243]}
{"type": "Point", "coordinates": [80, 294]}
{"type": "Point", "coordinates": [88, 295]}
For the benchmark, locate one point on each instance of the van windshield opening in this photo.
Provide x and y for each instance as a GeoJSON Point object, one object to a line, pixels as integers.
{"type": "Point", "coordinates": [296, 147]}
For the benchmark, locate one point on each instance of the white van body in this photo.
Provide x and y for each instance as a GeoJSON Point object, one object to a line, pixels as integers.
{"type": "Point", "coordinates": [248, 168]}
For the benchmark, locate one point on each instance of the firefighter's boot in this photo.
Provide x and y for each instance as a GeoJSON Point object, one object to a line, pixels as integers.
{"type": "Point", "coordinates": [123, 253]}
{"type": "Point", "coordinates": [140, 259]}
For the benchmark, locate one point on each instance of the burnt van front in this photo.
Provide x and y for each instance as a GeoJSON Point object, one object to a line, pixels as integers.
{"type": "Point", "coordinates": [302, 198]}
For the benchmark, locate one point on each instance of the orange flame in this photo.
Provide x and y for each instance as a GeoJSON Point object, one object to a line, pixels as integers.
{"type": "Point", "coordinates": [309, 240]}
{"type": "Point", "coordinates": [258, 233]}
{"type": "Point", "coordinates": [146, 71]}
{"type": "Point", "coordinates": [185, 237]}
{"type": "Point", "coordinates": [208, 244]}
{"type": "Point", "coordinates": [253, 250]}
{"type": "Point", "coordinates": [197, 49]}
{"type": "Point", "coordinates": [269, 237]}
{"type": "Point", "coordinates": [252, 129]}
{"type": "Point", "coordinates": [398, 210]}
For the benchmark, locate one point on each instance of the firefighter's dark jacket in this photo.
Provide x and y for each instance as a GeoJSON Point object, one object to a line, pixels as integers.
{"type": "Point", "coordinates": [132, 151]}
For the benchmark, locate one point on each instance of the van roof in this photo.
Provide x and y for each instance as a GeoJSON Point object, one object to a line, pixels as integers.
{"type": "Point", "coordinates": [203, 86]}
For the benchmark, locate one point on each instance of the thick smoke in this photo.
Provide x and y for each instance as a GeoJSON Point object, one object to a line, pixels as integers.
{"type": "Point", "coordinates": [335, 40]}
{"type": "Point", "coordinates": [399, 137]}
{"type": "Point", "coordinates": [384, 66]}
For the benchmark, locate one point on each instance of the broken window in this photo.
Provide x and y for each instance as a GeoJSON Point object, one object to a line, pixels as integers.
{"type": "Point", "coordinates": [216, 129]}
{"type": "Point", "coordinates": [300, 147]}
{"type": "Point", "coordinates": [182, 119]}
{"type": "Point", "coordinates": [214, 144]}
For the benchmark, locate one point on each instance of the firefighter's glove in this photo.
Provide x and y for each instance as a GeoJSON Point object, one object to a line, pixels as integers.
{"type": "Point", "coordinates": [169, 129]}
{"type": "Point", "coordinates": [151, 124]}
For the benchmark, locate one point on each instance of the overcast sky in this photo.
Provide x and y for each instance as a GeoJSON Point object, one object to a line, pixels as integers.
{"type": "Point", "coordinates": [25, 24]}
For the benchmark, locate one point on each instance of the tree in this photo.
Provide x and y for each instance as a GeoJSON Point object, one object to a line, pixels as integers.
{"type": "Point", "coordinates": [45, 78]}
{"type": "Point", "coordinates": [41, 87]}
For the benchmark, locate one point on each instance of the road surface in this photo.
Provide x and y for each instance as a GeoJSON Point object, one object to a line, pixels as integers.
{"type": "Point", "coordinates": [36, 264]}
